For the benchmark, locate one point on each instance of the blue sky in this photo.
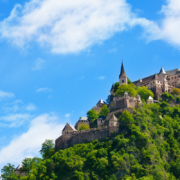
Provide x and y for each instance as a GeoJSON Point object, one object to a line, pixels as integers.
{"type": "Point", "coordinates": [57, 59]}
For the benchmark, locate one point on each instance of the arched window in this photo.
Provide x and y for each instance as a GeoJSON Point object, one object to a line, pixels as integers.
{"type": "Point", "coordinates": [122, 81]}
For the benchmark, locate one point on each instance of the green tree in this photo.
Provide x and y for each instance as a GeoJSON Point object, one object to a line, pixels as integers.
{"type": "Point", "coordinates": [129, 81]}
{"type": "Point", "coordinates": [176, 91]}
{"type": "Point", "coordinates": [83, 127]}
{"type": "Point", "coordinates": [167, 97]}
{"type": "Point", "coordinates": [126, 117]}
{"type": "Point", "coordinates": [144, 92]}
{"type": "Point", "coordinates": [28, 164]}
{"type": "Point", "coordinates": [116, 85]}
{"type": "Point", "coordinates": [130, 88]}
{"type": "Point", "coordinates": [47, 149]}
{"type": "Point", "coordinates": [104, 111]}
{"type": "Point", "coordinates": [8, 172]}
{"type": "Point", "coordinates": [92, 115]}
{"type": "Point", "coordinates": [178, 99]}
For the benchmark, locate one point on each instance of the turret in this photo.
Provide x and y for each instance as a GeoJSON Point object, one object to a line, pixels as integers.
{"type": "Point", "coordinates": [112, 90]}
{"type": "Point", "coordinates": [122, 76]}
{"type": "Point", "coordinates": [162, 73]}
{"type": "Point", "coordinates": [68, 130]}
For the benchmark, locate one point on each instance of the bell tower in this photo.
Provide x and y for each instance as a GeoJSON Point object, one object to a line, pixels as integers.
{"type": "Point", "coordinates": [122, 76]}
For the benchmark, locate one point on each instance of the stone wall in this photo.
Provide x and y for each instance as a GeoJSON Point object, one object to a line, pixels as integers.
{"type": "Point", "coordinates": [83, 136]}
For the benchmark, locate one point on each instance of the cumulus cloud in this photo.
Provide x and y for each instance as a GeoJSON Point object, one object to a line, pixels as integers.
{"type": "Point", "coordinates": [4, 95]}
{"type": "Point", "coordinates": [101, 77]}
{"type": "Point", "coordinates": [112, 50]}
{"type": "Point", "coordinates": [68, 26]}
{"type": "Point", "coordinates": [46, 89]}
{"type": "Point", "coordinates": [31, 107]}
{"type": "Point", "coordinates": [15, 120]}
{"type": "Point", "coordinates": [29, 143]}
{"type": "Point", "coordinates": [67, 115]}
{"type": "Point", "coordinates": [38, 64]}
{"type": "Point", "coordinates": [168, 27]}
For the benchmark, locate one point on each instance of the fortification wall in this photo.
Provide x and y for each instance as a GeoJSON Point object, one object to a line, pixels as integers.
{"type": "Point", "coordinates": [88, 135]}
{"type": "Point", "coordinates": [84, 136]}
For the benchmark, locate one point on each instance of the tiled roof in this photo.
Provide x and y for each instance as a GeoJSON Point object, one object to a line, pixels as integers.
{"type": "Point", "coordinates": [171, 72]}
{"type": "Point", "coordinates": [84, 118]}
{"type": "Point", "coordinates": [114, 118]}
{"type": "Point", "coordinates": [69, 127]}
{"type": "Point", "coordinates": [162, 71]}
{"type": "Point", "coordinates": [101, 102]}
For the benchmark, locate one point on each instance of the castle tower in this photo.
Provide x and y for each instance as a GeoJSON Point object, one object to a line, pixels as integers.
{"type": "Point", "coordinates": [122, 76]}
{"type": "Point", "coordinates": [113, 121]}
{"type": "Point", "coordinates": [68, 130]}
{"type": "Point", "coordinates": [165, 85]}
{"type": "Point", "coordinates": [162, 73]}
{"type": "Point", "coordinates": [112, 90]}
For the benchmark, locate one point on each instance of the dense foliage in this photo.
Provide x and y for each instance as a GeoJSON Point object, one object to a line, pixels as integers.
{"type": "Point", "coordinates": [83, 127]}
{"type": "Point", "coordinates": [104, 111]}
{"type": "Point", "coordinates": [147, 148]}
{"type": "Point", "coordinates": [133, 91]}
{"type": "Point", "coordinates": [176, 91]}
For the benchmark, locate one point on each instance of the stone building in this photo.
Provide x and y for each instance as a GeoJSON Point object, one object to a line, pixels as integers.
{"type": "Point", "coordinates": [67, 132]}
{"type": "Point", "coordinates": [100, 121]}
{"type": "Point", "coordinates": [83, 120]}
{"type": "Point", "coordinates": [99, 105]}
{"type": "Point", "coordinates": [125, 101]}
{"type": "Point", "coordinates": [18, 171]}
{"type": "Point", "coordinates": [164, 81]}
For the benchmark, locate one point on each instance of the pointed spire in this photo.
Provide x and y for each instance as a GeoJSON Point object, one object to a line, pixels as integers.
{"type": "Point", "coordinates": [162, 71]}
{"type": "Point", "coordinates": [122, 71]}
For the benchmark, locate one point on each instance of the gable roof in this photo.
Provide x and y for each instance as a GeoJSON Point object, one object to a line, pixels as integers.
{"type": "Point", "coordinates": [162, 71]}
{"type": "Point", "coordinates": [101, 102]}
{"type": "Point", "coordinates": [114, 118]}
{"type": "Point", "coordinates": [122, 71]}
{"type": "Point", "coordinates": [69, 127]}
{"type": "Point", "coordinates": [172, 72]}
{"type": "Point", "coordinates": [84, 118]}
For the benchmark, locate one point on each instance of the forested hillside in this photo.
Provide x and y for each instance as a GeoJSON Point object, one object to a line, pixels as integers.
{"type": "Point", "coordinates": [147, 148]}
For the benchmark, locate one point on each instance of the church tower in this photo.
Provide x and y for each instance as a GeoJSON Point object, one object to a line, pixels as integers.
{"type": "Point", "coordinates": [122, 76]}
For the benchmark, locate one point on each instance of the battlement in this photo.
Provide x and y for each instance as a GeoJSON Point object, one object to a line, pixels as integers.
{"type": "Point", "coordinates": [84, 136]}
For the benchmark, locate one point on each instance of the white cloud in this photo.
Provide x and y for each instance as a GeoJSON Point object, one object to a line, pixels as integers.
{"type": "Point", "coordinates": [112, 50]}
{"type": "Point", "coordinates": [168, 27]}
{"type": "Point", "coordinates": [101, 77]}
{"type": "Point", "coordinates": [46, 89]}
{"type": "Point", "coordinates": [68, 26]}
{"type": "Point", "coordinates": [31, 107]}
{"type": "Point", "coordinates": [29, 143]}
{"type": "Point", "coordinates": [4, 95]}
{"type": "Point", "coordinates": [38, 64]}
{"type": "Point", "coordinates": [15, 119]}
{"type": "Point", "coordinates": [67, 115]}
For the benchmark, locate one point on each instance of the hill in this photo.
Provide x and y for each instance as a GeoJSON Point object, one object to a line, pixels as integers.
{"type": "Point", "coordinates": [146, 148]}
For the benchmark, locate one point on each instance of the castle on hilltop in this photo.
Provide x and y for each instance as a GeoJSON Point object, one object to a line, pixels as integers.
{"type": "Point", "coordinates": [164, 81]}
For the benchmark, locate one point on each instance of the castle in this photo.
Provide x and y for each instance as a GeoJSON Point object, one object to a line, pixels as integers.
{"type": "Point", "coordinates": [164, 81]}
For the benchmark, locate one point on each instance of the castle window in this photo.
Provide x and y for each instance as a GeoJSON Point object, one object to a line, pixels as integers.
{"type": "Point", "coordinates": [175, 77]}
{"type": "Point", "coordinates": [122, 81]}
{"type": "Point", "coordinates": [158, 81]}
{"type": "Point", "coordinates": [172, 78]}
